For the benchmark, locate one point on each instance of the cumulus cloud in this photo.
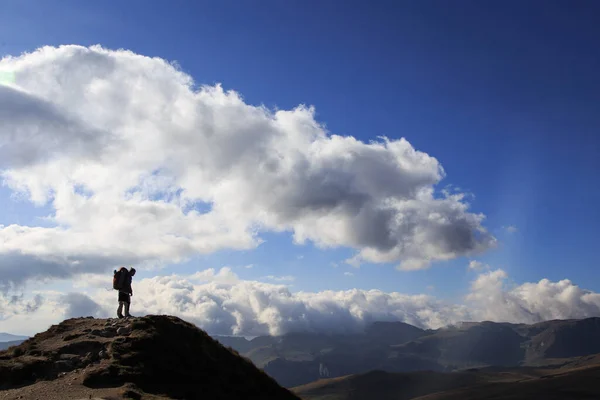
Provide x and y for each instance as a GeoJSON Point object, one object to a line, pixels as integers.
{"type": "Point", "coordinates": [254, 308]}
{"type": "Point", "coordinates": [224, 275]}
{"type": "Point", "coordinates": [81, 305]}
{"type": "Point", "coordinates": [140, 165]}
{"type": "Point", "coordinates": [221, 303]}
{"type": "Point", "coordinates": [286, 278]}
{"type": "Point", "coordinates": [478, 265]}
{"type": "Point", "coordinates": [28, 316]}
{"type": "Point", "coordinates": [30, 313]}
{"type": "Point", "coordinates": [13, 304]}
{"type": "Point", "coordinates": [16, 267]}
{"type": "Point", "coordinates": [531, 302]}
{"type": "Point", "coordinates": [34, 130]}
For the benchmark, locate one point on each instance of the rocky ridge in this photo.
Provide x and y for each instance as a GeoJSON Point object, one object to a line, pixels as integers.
{"type": "Point", "coordinates": [148, 357]}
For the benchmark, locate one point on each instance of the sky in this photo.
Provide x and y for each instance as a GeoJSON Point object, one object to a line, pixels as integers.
{"type": "Point", "coordinates": [277, 166]}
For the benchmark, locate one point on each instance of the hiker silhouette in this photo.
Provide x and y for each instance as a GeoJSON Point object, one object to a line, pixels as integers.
{"type": "Point", "coordinates": [122, 282]}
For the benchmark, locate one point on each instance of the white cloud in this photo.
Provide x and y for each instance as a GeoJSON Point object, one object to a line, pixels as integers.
{"type": "Point", "coordinates": [141, 167]}
{"type": "Point", "coordinates": [37, 311]}
{"type": "Point", "coordinates": [531, 302]}
{"type": "Point", "coordinates": [511, 229]}
{"type": "Point", "coordinates": [254, 308]}
{"type": "Point", "coordinates": [287, 278]}
{"type": "Point", "coordinates": [16, 303]}
{"type": "Point", "coordinates": [79, 304]}
{"type": "Point", "coordinates": [30, 322]}
{"type": "Point", "coordinates": [97, 281]}
{"type": "Point", "coordinates": [225, 275]}
{"type": "Point", "coordinates": [348, 273]}
{"type": "Point", "coordinates": [221, 303]}
{"type": "Point", "coordinates": [478, 265]}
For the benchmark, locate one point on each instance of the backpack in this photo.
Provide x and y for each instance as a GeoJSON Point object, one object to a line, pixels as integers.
{"type": "Point", "coordinates": [119, 278]}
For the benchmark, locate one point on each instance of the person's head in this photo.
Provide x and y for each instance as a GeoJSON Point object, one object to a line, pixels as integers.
{"type": "Point", "coordinates": [132, 271]}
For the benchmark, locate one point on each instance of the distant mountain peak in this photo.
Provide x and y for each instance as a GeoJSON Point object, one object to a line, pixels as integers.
{"type": "Point", "coordinates": [9, 337]}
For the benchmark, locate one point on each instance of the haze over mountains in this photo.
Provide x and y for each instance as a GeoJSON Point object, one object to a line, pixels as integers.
{"type": "Point", "coordinates": [299, 358]}
{"type": "Point", "coordinates": [7, 340]}
{"type": "Point", "coordinates": [7, 337]}
{"type": "Point", "coordinates": [163, 357]}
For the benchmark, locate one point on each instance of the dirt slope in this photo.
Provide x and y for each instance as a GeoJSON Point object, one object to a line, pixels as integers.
{"type": "Point", "coordinates": [576, 384]}
{"type": "Point", "coordinates": [519, 383]}
{"type": "Point", "coordinates": [150, 357]}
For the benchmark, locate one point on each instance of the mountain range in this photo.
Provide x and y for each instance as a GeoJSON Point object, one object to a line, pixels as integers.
{"type": "Point", "coordinates": [300, 358]}
{"type": "Point", "coordinates": [6, 345]}
{"type": "Point", "coordinates": [7, 340]}
{"type": "Point", "coordinates": [574, 381]}
{"type": "Point", "coordinates": [163, 357]}
{"type": "Point", "coordinates": [7, 337]}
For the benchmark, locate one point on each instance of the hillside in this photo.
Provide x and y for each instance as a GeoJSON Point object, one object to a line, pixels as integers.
{"type": "Point", "coordinates": [478, 384]}
{"type": "Point", "coordinates": [150, 357]}
{"type": "Point", "coordinates": [383, 385]}
{"type": "Point", "coordinates": [572, 384]}
{"type": "Point", "coordinates": [297, 359]}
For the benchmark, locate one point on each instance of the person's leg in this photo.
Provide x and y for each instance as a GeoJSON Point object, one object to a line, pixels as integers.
{"type": "Point", "coordinates": [123, 298]}
{"type": "Point", "coordinates": [127, 304]}
{"type": "Point", "coordinates": [127, 310]}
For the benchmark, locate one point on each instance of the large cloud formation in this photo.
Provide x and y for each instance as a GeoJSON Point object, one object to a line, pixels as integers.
{"type": "Point", "coordinates": [531, 302]}
{"type": "Point", "coordinates": [219, 302]}
{"type": "Point", "coordinates": [142, 166]}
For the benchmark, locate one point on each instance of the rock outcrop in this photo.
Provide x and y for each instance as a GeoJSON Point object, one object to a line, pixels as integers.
{"type": "Point", "coordinates": [149, 356]}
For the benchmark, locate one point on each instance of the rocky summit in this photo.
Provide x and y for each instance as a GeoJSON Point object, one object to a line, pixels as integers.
{"type": "Point", "coordinates": [152, 357]}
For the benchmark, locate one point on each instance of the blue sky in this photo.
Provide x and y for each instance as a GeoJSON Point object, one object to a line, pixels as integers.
{"type": "Point", "coordinates": [504, 95]}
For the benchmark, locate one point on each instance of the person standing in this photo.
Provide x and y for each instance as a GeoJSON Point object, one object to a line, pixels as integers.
{"type": "Point", "coordinates": [122, 283]}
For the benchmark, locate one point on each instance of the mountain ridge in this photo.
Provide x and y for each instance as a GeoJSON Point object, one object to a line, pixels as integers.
{"type": "Point", "coordinates": [295, 359]}
{"type": "Point", "coordinates": [9, 337]}
{"type": "Point", "coordinates": [6, 345]}
{"type": "Point", "coordinates": [155, 357]}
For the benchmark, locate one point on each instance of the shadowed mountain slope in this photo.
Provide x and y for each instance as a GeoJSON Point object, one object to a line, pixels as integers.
{"type": "Point", "coordinates": [519, 383]}
{"type": "Point", "coordinates": [148, 357]}
{"type": "Point", "coordinates": [299, 358]}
